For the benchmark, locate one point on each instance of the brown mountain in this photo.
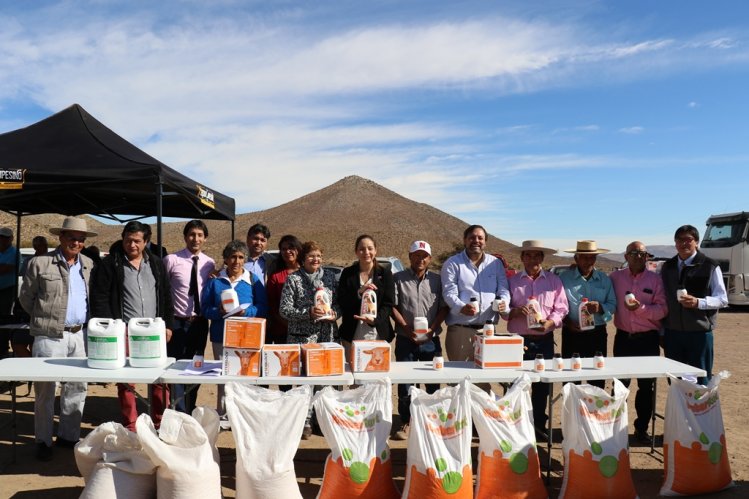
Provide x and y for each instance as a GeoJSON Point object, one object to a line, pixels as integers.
{"type": "Point", "coordinates": [334, 216]}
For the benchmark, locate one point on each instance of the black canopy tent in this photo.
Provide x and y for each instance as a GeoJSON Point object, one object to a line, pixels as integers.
{"type": "Point", "coordinates": [70, 163]}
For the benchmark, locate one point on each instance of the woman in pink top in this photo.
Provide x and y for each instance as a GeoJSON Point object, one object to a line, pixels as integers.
{"type": "Point", "coordinates": [289, 247]}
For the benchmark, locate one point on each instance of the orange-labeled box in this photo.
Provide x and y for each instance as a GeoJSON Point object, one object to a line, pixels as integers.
{"type": "Point", "coordinates": [323, 359]}
{"type": "Point", "coordinates": [498, 351]}
{"type": "Point", "coordinates": [370, 356]}
{"type": "Point", "coordinates": [281, 360]}
{"type": "Point", "coordinates": [241, 362]}
{"type": "Point", "coordinates": [244, 332]}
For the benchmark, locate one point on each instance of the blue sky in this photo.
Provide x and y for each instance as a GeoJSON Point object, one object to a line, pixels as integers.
{"type": "Point", "coordinates": [557, 121]}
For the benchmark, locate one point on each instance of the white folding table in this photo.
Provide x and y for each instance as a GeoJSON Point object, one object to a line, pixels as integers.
{"type": "Point", "coordinates": [615, 367]}
{"type": "Point", "coordinates": [453, 372]}
{"type": "Point", "coordinates": [73, 369]}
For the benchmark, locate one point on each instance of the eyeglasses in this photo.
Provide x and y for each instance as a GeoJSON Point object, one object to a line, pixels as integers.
{"type": "Point", "coordinates": [685, 240]}
{"type": "Point", "coordinates": [74, 239]}
{"type": "Point", "coordinates": [314, 257]}
{"type": "Point", "coordinates": [638, 254]}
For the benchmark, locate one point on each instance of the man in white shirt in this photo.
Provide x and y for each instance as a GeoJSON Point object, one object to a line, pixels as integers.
{"type": "Point", "coordinates": [471, 280]}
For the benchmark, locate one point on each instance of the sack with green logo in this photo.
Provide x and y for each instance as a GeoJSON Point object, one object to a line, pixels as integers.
{"type": "Point", "coordinates": [694, 439]}
{"type": "Point", "coordinates": [356, 424]}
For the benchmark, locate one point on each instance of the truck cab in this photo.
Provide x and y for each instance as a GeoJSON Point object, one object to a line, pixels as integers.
{"type": "Point", "coordinates": [726, 242]}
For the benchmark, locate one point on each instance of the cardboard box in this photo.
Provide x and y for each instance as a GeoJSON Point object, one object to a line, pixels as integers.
{"type": "Point", "coordinates": [244, 332]}
{"type": "Point", "coordinates": [498, 351]}
{"type": "Point", "coordinates": [323, 359]}
{"type": "Point", "coordinates": [241, 362]}
{"type": "Point", "coordinates": [281, 360]}
{"type": "Point", "coordinates": [370, 356]}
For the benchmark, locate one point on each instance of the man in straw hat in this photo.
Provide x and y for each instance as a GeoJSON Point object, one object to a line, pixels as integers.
{"type": "Point", "coordinates": [55, 295]}
{"type": "Point", "coordinates": [548, 290]}
{"type": "Point", "coordinates": [584, 281]}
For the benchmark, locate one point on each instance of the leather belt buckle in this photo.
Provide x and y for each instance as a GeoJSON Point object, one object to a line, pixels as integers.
{"type": "Point", "coordinates": [73, 329]}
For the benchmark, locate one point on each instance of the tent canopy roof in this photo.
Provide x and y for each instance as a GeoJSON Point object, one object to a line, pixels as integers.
{"type": "Point", "coordinates": [70, 163]}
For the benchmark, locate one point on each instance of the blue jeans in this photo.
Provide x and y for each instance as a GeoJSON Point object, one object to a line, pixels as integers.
{"type": "Point", "coordinates": [408, 351]}
{"type": "Point", "coordinates": [691, 347]}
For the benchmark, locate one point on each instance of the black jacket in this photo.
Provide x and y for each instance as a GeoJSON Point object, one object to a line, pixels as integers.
{"type": "Point", "coordinates": [107, 281]}
{"type": "Point", "coordinates": [350, 301]}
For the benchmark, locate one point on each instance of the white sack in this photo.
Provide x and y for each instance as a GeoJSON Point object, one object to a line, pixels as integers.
{"type": "Point", "coordinates": [267, 426]}
{"type": "Point", "coordinates": [183, 456]}
{"type": "Point", "coordinates": [596, 442]}
{"type": "Point", "coordinates": [209, 419]}
{"type": "Point", "coordinates": [356, 424]}
{"type": "Point", "coordinates": [694, 439]}
{"type": "Point", "coordinates": [508, 462]}
{"type": "Point", "coordinates": [113, 464]}
{"type": "Point", "coordinates": [438, 461]}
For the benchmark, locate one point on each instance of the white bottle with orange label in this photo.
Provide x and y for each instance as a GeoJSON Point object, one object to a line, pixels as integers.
{"type": "Point", "coordinates": [535, 320]}
{"type": "Point", "coordinates": [587, 321]}
{"type": "Point", "coordinates": [322, 300]}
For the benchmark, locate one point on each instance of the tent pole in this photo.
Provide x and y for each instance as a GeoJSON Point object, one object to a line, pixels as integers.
{"type": "Point", "coordinates": [18, 252]}
{"type": "Point", "coordinates": [232, 230]}
{"type": "Point", "coordinates": [159, 194]}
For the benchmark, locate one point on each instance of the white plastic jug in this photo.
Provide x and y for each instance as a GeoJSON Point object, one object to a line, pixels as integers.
{"type": "Point", "coordinates": [322, 300]}
{"type": "Point", "coordinates": [146, 339]}
{"type": "Point", "coordinates": [106, 343]}
{"type": "Point", "coordinates": [587, 321]}
{"type": "Point", "coordinates": [534, 317]}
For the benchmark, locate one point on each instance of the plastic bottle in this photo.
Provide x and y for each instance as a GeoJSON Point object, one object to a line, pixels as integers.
{"type": "Point", "coordinates": [106, 343]}
{"type": "Point", "coordinates": [488, 329]}
{"type": "Point", "coordinates": [558, 362]}
{"type": "Point", "coordinates": [539, 365]}
{"type": "Point", "coordinates": [322, 299]}
{"type": "Point", "coordinates": [421, 327]}
{"type": "Point", "coordinates": [587, 321]}
{"type": "Point", "coordinates": [474, 303]}
{"type": "Point", "coordinates": [438, 363]}
{"type": "Point", "coordinates": [598, 361]}
{"type": "Point", "coordinates": [630, 298]}
{"type": "Point", "coordinates": [368, 304]}
{"type": "Point", "coordinates": [535, 321]}
{"type": "Point", "coordinates": [229, 299]}
{"type": "Point", "coordinates": [146, 341]}
{"type": "Point", "coordinates": [576, 363]}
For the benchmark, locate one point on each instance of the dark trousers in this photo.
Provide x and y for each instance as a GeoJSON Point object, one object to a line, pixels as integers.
{"type": "Point", "coordinates": [586, 343]}
{"type": "Point", "coordinates": [408, 351]}
{"type": "Point", "coordinates": [634, 345]}
{"type": "Point", "coordinates": [691, 347]}
{"type": "Point", "coordinates": [543, 345]}
{"type": "Point", "coordinates": [188, 339]}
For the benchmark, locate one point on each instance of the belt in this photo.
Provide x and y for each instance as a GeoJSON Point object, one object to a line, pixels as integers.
{"type": "Point", "coordinates": [186, 319]}
{"type": "Point", "coordinates": [73, 329]}
{"type": "Point", "coordinates": [638, 334]}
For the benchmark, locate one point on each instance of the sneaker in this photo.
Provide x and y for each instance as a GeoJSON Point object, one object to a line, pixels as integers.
{"type": "Point", "coordinates": [307, 432]}
{"type": "Point", "coordinates": [43, 453]}
{"type": "Point", "coordinates": [643, 437]}
{"type": "Point", "coordinates": [402, 433]}
{"type": "Point", "coordinates": [67, 444]}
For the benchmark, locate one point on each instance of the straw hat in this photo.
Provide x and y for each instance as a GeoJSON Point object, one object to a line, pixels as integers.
{"type": "Point", "coordinates": [535, 245]}
{"type": "Point", "coordinates": [587, 247]}
{"type": "Point", "coordinates": [72, 224]}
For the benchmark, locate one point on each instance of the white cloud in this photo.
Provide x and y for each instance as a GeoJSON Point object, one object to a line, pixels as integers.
{"type": "Point", "coordinates": [632, 130]}
{"type": "Point", "coordinates": [692, 104]}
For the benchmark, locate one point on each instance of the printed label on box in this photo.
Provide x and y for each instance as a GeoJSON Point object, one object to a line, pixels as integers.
{"type": "Point", "coordinates": [241, 362]}
{"type": "Point", "coordinates": [244, 332]}
{"type": "Point", "coordinates": [498, 351]}
{"type": "Point", "coordinates": [281, 360]}
{"type": "Point", "coordinates": [323, 359]}
{"type": "Point", "coordinates": [370, 356]}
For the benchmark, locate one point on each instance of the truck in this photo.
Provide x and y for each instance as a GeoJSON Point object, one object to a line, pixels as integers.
{"type": "Point", "coordinates": [726, 241]}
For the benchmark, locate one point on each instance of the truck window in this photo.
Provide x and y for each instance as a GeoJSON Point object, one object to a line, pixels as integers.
{"type": "Point", "coordinates": [724, 234]}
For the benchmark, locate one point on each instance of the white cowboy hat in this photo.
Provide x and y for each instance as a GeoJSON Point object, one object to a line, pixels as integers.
{"type": "Point", "coordinates": [72, 224]}
{"type": "Point", "coordinates": [587, 247]}
{"type": "Point", "coordinates": [535, 245]}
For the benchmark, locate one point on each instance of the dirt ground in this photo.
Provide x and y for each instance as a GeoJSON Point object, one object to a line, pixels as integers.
{"type": "Point", "coordinates": [29, 478]}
